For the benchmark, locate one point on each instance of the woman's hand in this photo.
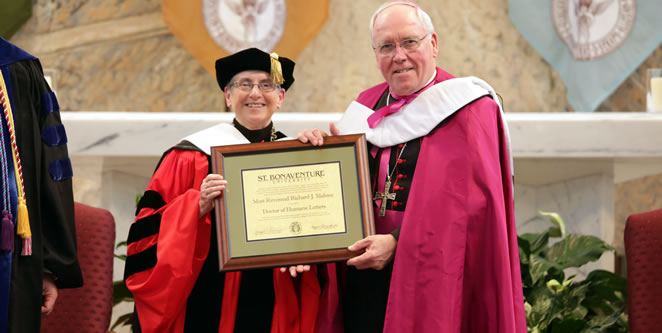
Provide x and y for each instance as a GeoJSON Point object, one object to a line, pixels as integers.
{"type": "Point", "coordinates": [211, 188]}
{"type": "Point", "coordinates": [295, 269]}
{"type": "Point", "coordinates": [316, 136]}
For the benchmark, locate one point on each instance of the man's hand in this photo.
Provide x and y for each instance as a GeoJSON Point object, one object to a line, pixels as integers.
{"type": "Point", "coordinates": [295, 269]}
{"type": "Point", "coordinates": [379, 251]}
{"type": "Point", "coordinates": [316, 136]}
{"type": "Point", "coordinates": [211, 188]}
{"type": "Point", "coordinates": [48, 293]}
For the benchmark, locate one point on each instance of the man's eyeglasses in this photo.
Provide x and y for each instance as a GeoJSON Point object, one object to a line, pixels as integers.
{"type": "Point", "coordinates": [409, 45]}
{"type": "Point", "coordinates": [247, 85]}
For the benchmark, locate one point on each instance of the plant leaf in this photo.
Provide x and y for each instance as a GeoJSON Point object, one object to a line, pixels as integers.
{"type": "Point", "coordinates": [537, 242]}
{"type": "Point", "coordinates": [556, 219]}
{"type": "Point", "coordinates": [524, 249]}
{"type": "Point", "coordinates": [578, 313]}
{"type": "Point", "coordinates": [601, 323]}
{"type": "Point", "coordinates": [539, 266]}
{"type": "Point", "coordinates": [123, 320]}
{"type": "Point", "coordinates": [550, 309]}
{"type": "Point", "coordinates": [567, 325]}
{"type": "Point", "coordinates": [554, 232]}
{"type": "Point", "coordinates": [607, 292]}
{"type": "Point", "coordinates": [538, 294]}
{"type": "Point", "coordinates": [581, 249]}
{"type": "Point", "coordinates": [121, 293]}
{"type": "Point", "coordinates": [574, 295]}
{"type": "Point", "coordinates": [609, 279]}
{"type": "Point", "coordinates": [524, 254]}
{"type": "Point", "coordinates": [538, 314]}
{"type": "Point", "coordinates": [554, 286]}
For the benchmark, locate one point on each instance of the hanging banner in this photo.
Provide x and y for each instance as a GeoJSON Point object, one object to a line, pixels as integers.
{"type": "Point", "coordinates": [13, 14]}
{"type": "Point", "coordinates": [211, 29]}
{"type": "Point", "coordinates": [594, 45]}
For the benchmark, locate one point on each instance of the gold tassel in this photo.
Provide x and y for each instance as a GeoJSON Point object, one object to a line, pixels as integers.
{"type": "Point", "coordinates": [276, 69]}
{"type": "Point", "coordinates": [23, 223]}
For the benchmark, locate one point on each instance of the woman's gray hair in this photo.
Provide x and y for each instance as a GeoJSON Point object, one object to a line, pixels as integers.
{"type": "Point", "coordinates": [422, 16]}
{"type": "Point", "coordinates": [229, 85]}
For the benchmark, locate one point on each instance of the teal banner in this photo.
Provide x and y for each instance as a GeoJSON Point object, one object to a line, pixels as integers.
{"type": "Point", "coordinates": [594, 45]}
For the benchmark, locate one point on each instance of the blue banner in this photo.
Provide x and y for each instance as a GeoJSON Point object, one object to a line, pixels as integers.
{"type": "Point", "coordinates": [594, 45]}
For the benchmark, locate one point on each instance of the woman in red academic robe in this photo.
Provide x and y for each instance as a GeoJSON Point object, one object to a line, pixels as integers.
{"type": "Point", "coordinates": [172, 265]}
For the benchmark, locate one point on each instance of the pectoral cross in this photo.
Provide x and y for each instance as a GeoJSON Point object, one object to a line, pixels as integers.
{"type": "Point", "coordinates": [385, 196]}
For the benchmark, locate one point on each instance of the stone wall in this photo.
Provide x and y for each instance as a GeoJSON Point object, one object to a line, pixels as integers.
{"type": "Point", "coordinates": [635, 196]}
{"type": "Point", "coordinates": [118, 55]}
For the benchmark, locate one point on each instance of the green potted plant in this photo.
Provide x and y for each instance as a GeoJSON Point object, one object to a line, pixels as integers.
{"type": "Point", "coordinates": [121, 294]}
{"type": "Point", "coordinates": [556, 303]}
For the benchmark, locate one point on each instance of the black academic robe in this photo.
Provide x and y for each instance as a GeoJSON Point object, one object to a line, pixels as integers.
{"type": "Point", "coordinates": [47, 173]}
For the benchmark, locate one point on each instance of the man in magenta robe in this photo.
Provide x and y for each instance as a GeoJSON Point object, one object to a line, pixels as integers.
{"type": "Point", "coordinates": [445, 257]}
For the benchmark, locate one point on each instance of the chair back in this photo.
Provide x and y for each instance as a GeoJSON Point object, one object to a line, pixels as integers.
{"type": "Point", "coordinates": [88, 309]}
{"type": "Point", "coordinates": [643, 250]}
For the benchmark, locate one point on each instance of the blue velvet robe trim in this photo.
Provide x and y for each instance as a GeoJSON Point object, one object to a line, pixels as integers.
{"type": "Point", "coordinates": [10, 53]}
{"type": "Point", "coordinates": [54, 135]}
{"type": "Point", "coordinates": [49, 103]}
{"type": "Point", "coordinates": [60, 169]}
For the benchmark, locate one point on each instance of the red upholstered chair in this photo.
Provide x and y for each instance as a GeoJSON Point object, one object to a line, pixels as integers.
{"type": "Point", "coordinates": [643, 250]}
{"type": "Point", "coordinates": [88, 309]}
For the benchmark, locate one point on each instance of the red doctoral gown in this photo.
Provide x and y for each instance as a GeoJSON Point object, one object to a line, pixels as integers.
{"type": "Point", "coordinates": [172, 264]}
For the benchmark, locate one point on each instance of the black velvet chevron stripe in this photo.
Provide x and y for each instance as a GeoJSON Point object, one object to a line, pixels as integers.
{"type": "Point", "coordinates": [151, 199]}
{"type": "Point", "coordinates": [145, 227]}
{"type": "Point", "coordinates": [140, 262]}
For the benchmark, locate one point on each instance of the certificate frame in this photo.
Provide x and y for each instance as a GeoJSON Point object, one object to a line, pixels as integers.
{"type": "Point", "coordinates": [342, 158]}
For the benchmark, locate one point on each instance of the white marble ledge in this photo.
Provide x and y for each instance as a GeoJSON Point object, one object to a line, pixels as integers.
{"type": "Point", "coordinates": [534, 135]}
{"type": "Point", "coordinates": [147, 134]}
{"type": "Point", "coordinates": [586, 135]}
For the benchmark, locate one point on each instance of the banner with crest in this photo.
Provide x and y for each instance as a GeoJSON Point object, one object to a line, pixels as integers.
{"type": "Point", "coordinates": [594, 45]}
{"type": "Point", "coordinates": [210, 29]}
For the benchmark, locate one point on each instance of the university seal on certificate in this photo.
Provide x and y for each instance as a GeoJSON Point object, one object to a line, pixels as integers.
{"type": "Point", "coordinates": [295, 228]}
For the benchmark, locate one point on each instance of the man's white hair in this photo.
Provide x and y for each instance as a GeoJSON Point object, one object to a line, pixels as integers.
{"type": "Point", "coordinates": [422, 16]}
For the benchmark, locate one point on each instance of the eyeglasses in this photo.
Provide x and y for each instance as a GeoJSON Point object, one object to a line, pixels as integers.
{"type": "Point", "coordinates": [409, 45]}
{"type": "Point", "coordinates": [247, 85]}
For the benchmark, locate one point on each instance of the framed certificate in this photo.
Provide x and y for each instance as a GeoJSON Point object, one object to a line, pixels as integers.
{"type": "Point", "coordinates": [290, 203]}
